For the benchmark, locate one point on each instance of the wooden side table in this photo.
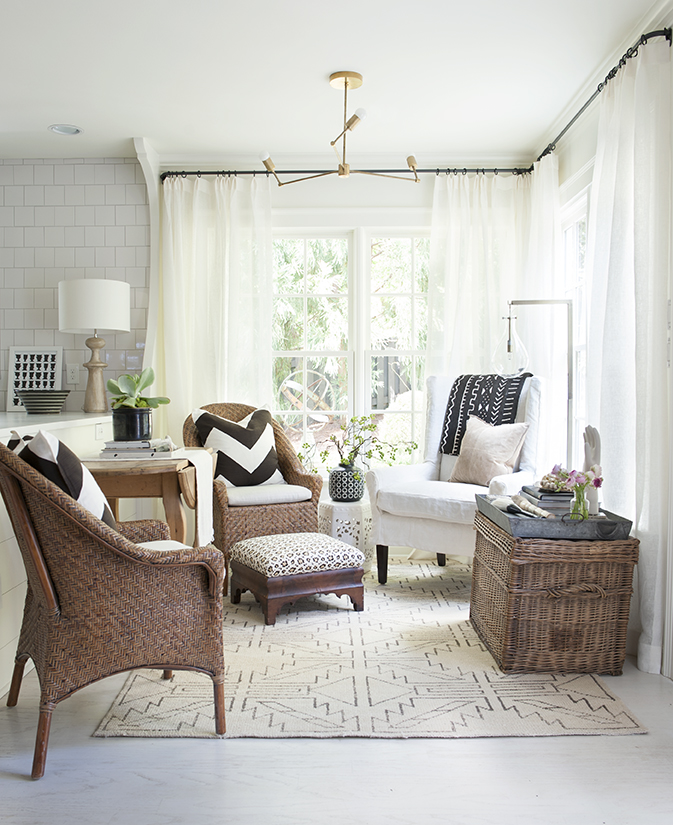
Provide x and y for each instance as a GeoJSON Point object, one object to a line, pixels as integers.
{"type": "Point", "coordinates": [164, 478]}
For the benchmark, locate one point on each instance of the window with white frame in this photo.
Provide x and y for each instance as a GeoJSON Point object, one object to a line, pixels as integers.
{"type": "Point", "coordinates": [349, 335]}
{"type": "Point", "coordinates": [574, 228]}
{"type": "Point", "coordinates": [398, 330]}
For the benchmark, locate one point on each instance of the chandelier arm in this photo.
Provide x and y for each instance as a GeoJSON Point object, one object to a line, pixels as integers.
{"type": "Point", "coordinates": [333, 142]}
{"type": "Point", "coordinates": [383, 175]}
{"type": "Point", "coordinates": [309, 177]}
{"type": "Point", "coordinates": [273, 172]}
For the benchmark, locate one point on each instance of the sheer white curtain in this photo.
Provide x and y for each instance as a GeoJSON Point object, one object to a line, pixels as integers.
{"type": "Point", "coordinates": [215, 301]}
{"type": "Point", "coordinates": [497, 238]}
{"type": "Point", "coordinates": [627, 374]}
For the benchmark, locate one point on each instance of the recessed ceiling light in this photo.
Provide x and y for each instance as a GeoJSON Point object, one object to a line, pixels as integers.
{"type": "Point", "coordinates": [64, 129]}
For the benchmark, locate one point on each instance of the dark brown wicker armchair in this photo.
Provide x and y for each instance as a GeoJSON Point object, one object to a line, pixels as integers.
{"type": "Point", "coordinates": [98, 604]}
{"type": "Point", "coordinates": [233, 524]}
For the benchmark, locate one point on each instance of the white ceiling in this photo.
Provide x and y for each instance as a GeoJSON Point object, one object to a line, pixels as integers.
{"type": "Point", "coordinates": [450, 80]}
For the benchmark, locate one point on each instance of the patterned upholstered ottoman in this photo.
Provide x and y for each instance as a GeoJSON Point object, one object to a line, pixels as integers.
{"type": "Point", "coordinates": [280, 569]}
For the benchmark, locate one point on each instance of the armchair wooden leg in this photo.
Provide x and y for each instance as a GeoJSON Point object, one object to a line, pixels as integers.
{"type": "Point", "coordinates": [220, 726]}
{"type": "Point", "coordinates": [41, 742]}
{"type": "Point", "coordinates": [441, 559]}
{"type": "Point", "coordinates": [167, 674]}
{"type": "Point", "coordinates": [17, 676]}
{"type": "Point", "coordinates": [382, 562]}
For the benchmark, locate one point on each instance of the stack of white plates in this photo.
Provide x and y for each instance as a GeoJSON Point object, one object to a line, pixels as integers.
{"type": "Point", "coordinates": [43, 402]}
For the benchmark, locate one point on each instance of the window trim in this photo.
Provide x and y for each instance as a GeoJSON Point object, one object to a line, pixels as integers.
{"type": "Point", "coordinates": [359, 352]}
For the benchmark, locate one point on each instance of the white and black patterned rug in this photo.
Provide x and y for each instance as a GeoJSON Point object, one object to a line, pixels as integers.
{"type": "Point", "coordinates": [409, 666]}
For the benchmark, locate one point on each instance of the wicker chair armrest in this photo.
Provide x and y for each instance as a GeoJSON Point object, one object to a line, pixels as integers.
{"type": "Point", "coordinates": [144, 530]}
{"type": "Point", "coordinates": [208, 557]}
{"type": "Point", "coordinates": [293, 470]}
{"type": "Point", "coordinates": [220, 494]}
{"type": "Point", "coordinates": [301, 479]}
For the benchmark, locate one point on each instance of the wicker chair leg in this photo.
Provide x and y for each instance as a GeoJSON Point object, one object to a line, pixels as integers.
{"type": "Point", "coordinates": [167, 674]}
{"type": "Point", "coordinates": [41, 741]}
{"type": "Point", "coordinates": [382, 562]}
{"type": "Point", "coordinates": [220, 726]}
{"type": "Point", "coordinates": [17, 676]}
{"type": "Point", "coordinates": [441, 559]}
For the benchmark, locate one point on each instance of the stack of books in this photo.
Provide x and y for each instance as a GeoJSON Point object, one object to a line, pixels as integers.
{"type": "Point", "coordinates": [554, 502]}
{"type": "Point", "coordinates": [138, 450]}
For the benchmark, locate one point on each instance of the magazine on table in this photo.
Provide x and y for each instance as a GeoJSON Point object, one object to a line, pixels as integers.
{"type": "Point", "coordinates": [149, 448]}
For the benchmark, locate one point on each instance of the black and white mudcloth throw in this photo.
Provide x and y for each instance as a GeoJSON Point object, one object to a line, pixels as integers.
{"type": "Point", "coordinates": [492, 398]}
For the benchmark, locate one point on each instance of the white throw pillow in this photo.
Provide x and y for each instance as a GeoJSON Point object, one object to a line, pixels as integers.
{"type": "Point", "coordinates": [487, 451]}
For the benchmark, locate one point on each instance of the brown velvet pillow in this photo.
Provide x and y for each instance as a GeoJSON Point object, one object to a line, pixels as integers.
{"type": "Point", "coordinates": [487, 451]}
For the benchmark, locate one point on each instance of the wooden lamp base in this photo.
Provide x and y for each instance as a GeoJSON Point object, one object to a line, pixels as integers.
{"type": "Point", "coordinates": [95, 400]}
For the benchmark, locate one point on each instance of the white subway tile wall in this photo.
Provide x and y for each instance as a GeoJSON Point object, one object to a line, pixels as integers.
{"type": "Point", "coordinates": [63, 219]}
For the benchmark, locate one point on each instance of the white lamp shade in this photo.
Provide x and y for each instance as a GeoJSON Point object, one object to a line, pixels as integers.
{"type": "Point", "coordinates": [94, 304]}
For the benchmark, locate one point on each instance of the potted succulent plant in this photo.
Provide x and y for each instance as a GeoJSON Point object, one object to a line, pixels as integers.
{"type": "Point", "coordinates": [132, 411]}
{"type": "Point", "coordinates": [357, 441]}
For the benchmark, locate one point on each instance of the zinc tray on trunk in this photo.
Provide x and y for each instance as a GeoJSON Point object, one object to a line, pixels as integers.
{"type": "Point", "coordinates": [612, 527]}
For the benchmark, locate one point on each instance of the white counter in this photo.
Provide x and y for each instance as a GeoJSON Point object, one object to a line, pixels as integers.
{"type": "Point", "coordinates": [24, 423]}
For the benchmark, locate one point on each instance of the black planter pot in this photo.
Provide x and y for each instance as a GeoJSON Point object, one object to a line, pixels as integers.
{"type": "Point", "coordinates": [344, 486]}
{"type": "Point", "coordinates": [132, 423]}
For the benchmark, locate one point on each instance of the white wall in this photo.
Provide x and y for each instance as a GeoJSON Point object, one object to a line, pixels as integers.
{"type": "Point", "coordinates": [64, 219]}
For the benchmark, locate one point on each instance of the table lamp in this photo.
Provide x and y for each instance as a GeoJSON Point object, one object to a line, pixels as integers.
{"type": "Point", "coordinates": [92, 305]}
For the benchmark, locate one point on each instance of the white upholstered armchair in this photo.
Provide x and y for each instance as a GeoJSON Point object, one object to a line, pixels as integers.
{"type": "Point", "coordinates": [416, 506]}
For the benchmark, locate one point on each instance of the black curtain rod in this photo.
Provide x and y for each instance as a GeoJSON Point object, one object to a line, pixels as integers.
{"type": "Point", "coordinates": [436, 171]}
{"type": "Point", "coordinates": [632, 52]}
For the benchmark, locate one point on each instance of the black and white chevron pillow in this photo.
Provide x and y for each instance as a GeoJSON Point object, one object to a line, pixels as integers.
{"type": "Point", "coordinates": [17, 442]}
{"type": "Point", "coordinates": [49, 456]}
{"type": "Point", "coordinates": [246, 450]}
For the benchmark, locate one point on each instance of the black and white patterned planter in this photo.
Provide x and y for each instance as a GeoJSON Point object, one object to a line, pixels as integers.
{"type": "Point", "coordinates": [344, 485]}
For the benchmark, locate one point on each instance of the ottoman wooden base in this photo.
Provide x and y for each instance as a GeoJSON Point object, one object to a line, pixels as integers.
{"type": "Point", "coordinates": [273, 593]}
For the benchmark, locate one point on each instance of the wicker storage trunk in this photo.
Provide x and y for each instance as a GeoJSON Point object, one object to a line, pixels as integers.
{"type": "Point", "coordinates": [550, 605]}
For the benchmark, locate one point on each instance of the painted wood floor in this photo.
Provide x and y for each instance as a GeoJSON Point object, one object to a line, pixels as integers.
{"type": "Point", "coordinates": [582, 780]}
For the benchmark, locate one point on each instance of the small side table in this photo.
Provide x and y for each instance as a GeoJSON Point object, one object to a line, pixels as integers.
{"type": "Point", "coordinates": [348, 521]}
{"type": "Point", "coordinates": [152, 478]}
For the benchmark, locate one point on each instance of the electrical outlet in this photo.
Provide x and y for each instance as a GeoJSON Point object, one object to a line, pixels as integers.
{"type": "Point", "coordinates": [72, 374]}
{"type": "Point", "coordinates": [99, 432]}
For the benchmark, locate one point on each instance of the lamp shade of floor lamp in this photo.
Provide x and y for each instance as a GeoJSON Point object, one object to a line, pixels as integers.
{"type": "Point", "coordinates": [93, 305]}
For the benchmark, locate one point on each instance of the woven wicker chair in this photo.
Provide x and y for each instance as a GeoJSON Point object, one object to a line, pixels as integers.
{"type": "Point", "coordinates": [232, 524]}
{"type": "Point", "coordinates": [99, 604]}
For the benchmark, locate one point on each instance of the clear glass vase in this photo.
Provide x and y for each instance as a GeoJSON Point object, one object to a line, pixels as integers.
{"type": "Point", "coordinates": [579, 507]}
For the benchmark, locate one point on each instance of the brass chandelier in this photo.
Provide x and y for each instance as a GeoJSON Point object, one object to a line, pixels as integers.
{"type": "Point", "coordinates": [343, 80]}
